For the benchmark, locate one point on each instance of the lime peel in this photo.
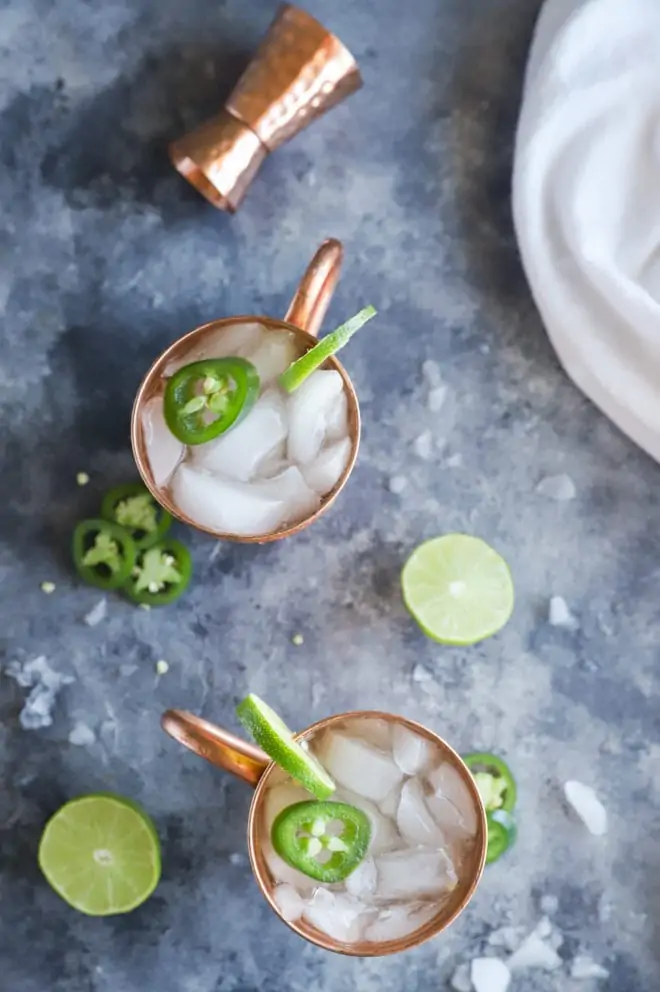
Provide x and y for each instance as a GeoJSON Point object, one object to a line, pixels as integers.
{"type": "Point", "coordinates": [296, 374]}
{"type": "Point", "coordinates": [272, 734]}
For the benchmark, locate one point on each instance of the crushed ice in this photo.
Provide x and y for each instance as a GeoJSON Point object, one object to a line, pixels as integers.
{"type": "Point", "coordinates": [97, 613]}
{"type": "Point", "coordinates": [44, 684]}
{"type": "Point", "coordinates": [81, 735]}
{"type": "Point", "coordinates": [559, 615]}
{"type": "Point", "coordinates": [588, 807]}
{"type": "Point", "coordinates": [489, 975]}
{"type": "Point", "coordinates": [558, 487]}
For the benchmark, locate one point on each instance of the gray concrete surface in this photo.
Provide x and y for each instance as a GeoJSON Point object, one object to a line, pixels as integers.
{"type": "Point", "coordinates": [107, 256]}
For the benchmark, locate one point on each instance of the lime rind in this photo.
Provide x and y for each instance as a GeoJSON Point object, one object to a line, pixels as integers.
{"type": "Point", "coordinates": [297, 372]}
{"type": "Point", "coordinates": [272, 734]}
{"type": "Point", "coordinates": [458, 589]}
{"type": "Point", "coordinates": [101, 824]}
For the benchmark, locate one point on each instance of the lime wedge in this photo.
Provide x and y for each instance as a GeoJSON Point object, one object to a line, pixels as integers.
{"type": "Point", "coordinates": [458, 589]}
{"type": "Point", "coordinates": [296, 373]}
{"type": "Point", "coordinates": [101, 854]}
{"type": "Point", "coordinates": [273, 735]}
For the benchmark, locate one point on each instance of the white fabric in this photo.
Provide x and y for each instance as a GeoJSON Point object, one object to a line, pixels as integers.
{"type": "Point", "coordinates": [586, 200]}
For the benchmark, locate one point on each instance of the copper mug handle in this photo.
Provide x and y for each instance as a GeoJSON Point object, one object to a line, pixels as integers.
{"type": "Point", "coordinates": [220, 747]}
{"type": "Point", "coordinates": [309, 305]}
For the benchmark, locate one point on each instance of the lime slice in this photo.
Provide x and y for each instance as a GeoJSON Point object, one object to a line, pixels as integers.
{"type": "Point", "coordinates": [458, 589]}
{"type": "Point", "coordinates": [273, 735]}
{"type": "Point", "coordinates": [296, 373]}
{"type": "Point", "coordinates": [101, 854]}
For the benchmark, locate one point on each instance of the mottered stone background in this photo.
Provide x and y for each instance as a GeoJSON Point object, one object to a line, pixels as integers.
{"type": "Point", "coordinates": [107, 256]}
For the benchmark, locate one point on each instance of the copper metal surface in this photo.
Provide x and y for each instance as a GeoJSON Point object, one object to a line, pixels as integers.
{"type": "Point", "coordinates": [216, 745]}
{"type": "Point", "coordinates": [189, 734]}
{"type": "Point", "coordinates": [299, 71]}
{"type": "Point", "coordinates": [309, 305]}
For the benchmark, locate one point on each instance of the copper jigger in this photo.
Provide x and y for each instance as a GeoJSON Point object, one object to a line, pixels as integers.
{"type": "Point", "coordinates": [250, 763]}
{"type": "Point", "coordinates": [298, 73]}
{"type": "Point", "coordinates": [304, 318]}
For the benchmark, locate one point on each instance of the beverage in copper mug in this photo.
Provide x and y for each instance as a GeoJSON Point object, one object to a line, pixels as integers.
{"type": "Point", "coordinates": [423, 821]}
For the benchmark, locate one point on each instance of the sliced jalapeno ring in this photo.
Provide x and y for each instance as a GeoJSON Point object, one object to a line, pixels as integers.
{"type": "Point", "coordinates": [501, 834]}
{"type": "Point", "coordinates": [496, 784]}
{"type": "Point", "coordinates": [324, 840]}
{"type": "Point", "coordinates": [133, 507]}
{"type": "Point", "coordinates": [160, 574]}
{"type": "Point", "coordinates": [104, 553]}
{"type": "Point", "coordinates": [205, 399]}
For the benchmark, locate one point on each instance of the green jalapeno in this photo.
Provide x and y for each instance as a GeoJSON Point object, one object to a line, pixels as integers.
{"type": "Point", "coordinates": [104, 553]}
{"type": "Point", "coordinates": [496, 784]}
{"type": "Point", "coordinates": [205, 399]}
{"type": "Point", "coordinates": [501, 834]}
{"type": "Point", "coordinates": [133, 507]}
{"type": "Point", "coordinates": [160, 574]}
{"type": "Point", "coordinates": [324, 840]}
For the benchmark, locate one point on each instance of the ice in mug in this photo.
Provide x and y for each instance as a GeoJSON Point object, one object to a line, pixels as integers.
{"type": "Point", "coordinates": [275, 468]}
{"type": "Point", "coordinates": [423, 820]}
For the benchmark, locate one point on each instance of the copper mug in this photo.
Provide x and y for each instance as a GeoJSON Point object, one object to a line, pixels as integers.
{"type": "Point", "coordinates": [303, 318]}
{"type": "Point", "coordinates": [250, 763]}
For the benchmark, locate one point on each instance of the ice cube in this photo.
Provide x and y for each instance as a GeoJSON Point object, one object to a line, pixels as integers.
{"type": "Point", "coordinates": [327, 469]}
{"type": "Point", "coordinates": [338, 419]}
{"type": "Point", "coordinates": [460, 981]}
{"type": "Point", "coordinates": [361, 883]}
{"type": "Point", "coordinates": [489, 975]}
{"type": "Point", "coordinates": [559, 614]}
{"type": "Point", "coordinates": [413, 818]}
{"type": "Point", "coordinates": [384, 835]}
{"type": "Point", "coordinates": [358, 766]}
{"type": "Point", "coordinates": [399, 921]}
{"type": "Point", "coordinates": [336, 914]}
{"type": "Point", "coordinates": [289, 902]}
{"type": "Point", "coordinates": [412, 752]}
{"type": "Point", "coordinates": [588, 807]}
{"type": "Point", "coordinates": [282, 872]}
{"type": "Point", "coordinates": [390, 803]}
{"type": "Point", "coordinates": [163, 450]}
{"type": "Point", "coordinates": [558, 487]}
{"type": "Point", "coordinates": [412, 874]}
{"type": "Point", "coordinates": [311, 412]}
{"type": "Point", "coordinates": [585, 967]}
{"type": "Point", "coordinates": [373, 729]}
{"type": "Point", "coordinates": [279, 797]}
{"type": "Point", "coordinates": [81, 735]}
{"type": "Point", "coordinates": [447, 782]}
{"type": "Point", "coordinates": [449, 819]}
{"type": "Point", "coordinates": [239, 453]}
{"type": "Point", "coordinates": [534, 953]}
{"type": "Point", "coordinates": [222, 342]}
{"type": "Point", "coordinates": [241, 508]}
{"type": "Point", "coordinates": [274, 354]}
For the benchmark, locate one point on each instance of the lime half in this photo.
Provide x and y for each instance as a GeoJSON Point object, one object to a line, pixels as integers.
{"type": "Point", "coordinates": [273, 735]}
{"type": "Point", "coordinates": [458, 589]}
{"type": "Point", "coordinates": [101, 854]}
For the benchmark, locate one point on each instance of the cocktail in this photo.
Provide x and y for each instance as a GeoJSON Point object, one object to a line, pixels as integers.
{"type": "Point", "coordinates": [244, 429]}
{"type": "Point", "coordinates": [366, 833]}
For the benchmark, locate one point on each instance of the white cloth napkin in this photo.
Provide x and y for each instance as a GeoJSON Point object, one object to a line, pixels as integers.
{"type": "Point", "coordinates": [586, 200]}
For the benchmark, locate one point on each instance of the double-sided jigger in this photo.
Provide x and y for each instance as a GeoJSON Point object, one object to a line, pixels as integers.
{"type": "Point", "coordinates": [299, 71]}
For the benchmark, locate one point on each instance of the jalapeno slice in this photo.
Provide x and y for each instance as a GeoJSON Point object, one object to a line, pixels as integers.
{"type": "Point", "coordinates": [205, 399]}
{"type": "Point", "coordinates": [104, 553]}
{"type": "Point", "coordinates": [496, 784]}
{"type": "Point", "coordinates": [160, 574]}
{"type": "Point", "coordinates": [501, 834]}
{"type": "Point", "coordinates": [134, 508]}
{"type": "Point", "coordinates": [324, 840]}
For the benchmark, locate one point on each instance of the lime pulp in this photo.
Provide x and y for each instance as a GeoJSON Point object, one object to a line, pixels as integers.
{"type": "Point", "coordinates": [101, 854]}
{"type": "Point", "coordinates": [458, 589]}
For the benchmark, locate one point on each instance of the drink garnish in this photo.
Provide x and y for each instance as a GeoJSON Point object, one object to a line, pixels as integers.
{"type": "Point", "coordinates": [501, 834]}
{"type": "Point", "coordinates": [161, 574]}
{"type": "Point", "coordinates": [133, 507]}
{"type": "Point", "coordinates": [458, 589]}
{"type": "Point", "coordinates": [104, 553]}
{"type": "Point", "coordinates": [297, 372]}
{"type": "Point", "coordinates": [101, 854]}
{"type": "Point", "coordinates": [205, 399]}
{"type": "Point", "coordinates": [272, 734]}
{"type": "Point", "coordinates": [496, 784]}
{"type": "Point", "coordinates": [324, 840]}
